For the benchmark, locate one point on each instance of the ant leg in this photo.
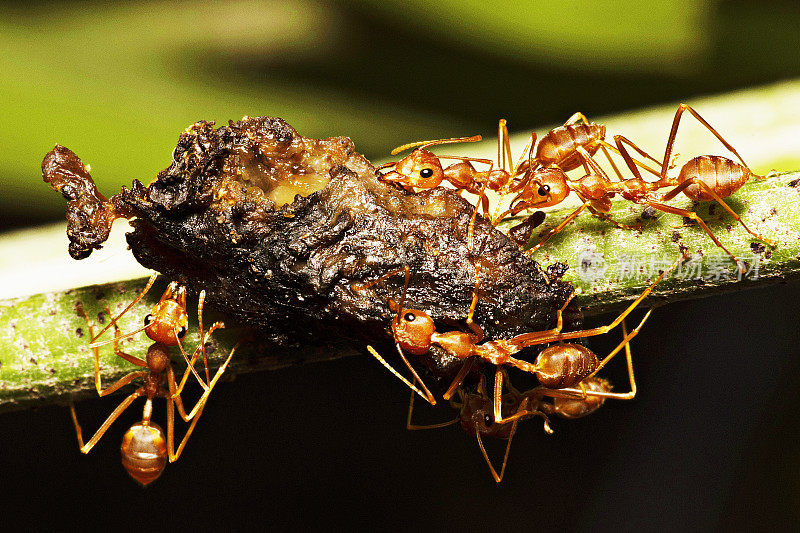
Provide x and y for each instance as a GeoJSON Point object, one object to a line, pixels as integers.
{"type": "Point", "coordinates": [190, 364]}
{"type": "Point", "coordinates": [122, 382]}
{"type": "Point", "coordinates": [414, 427]}
{"type": "Point", "coordinates": [498, 394]}
{"type": "Point", "coordinates": [174, 455]}
{"type": "Point", "coordinates": [522, 411]}
{"type": "Point", "coordinates": [525, 157]}
{"type": "Point", "coordinates": [607, 218]}
{"type": "Point", "coordinates": [531, 339]}
{"type": "Point", "coordinates": [560, 227]}
{"type": "Point", "coordinates": [471, 230]}
{"type": "Point", "coordinates": [200, 302]}
{"type": "Point", "coordinates": [130, 358]}
{"type": "Point", "coordinates": [462, 373]}
{"type": "Point", "coordinates": [519, 342]}
{"type": "Point", "coordinates": [362, 287]}
{"type": "Point", "coordinates": [626, 340]}
{"type": "Point", "coordinates": [497, 477]}
{"type": "Point", "coordinates": [476, 329]}
{"type": "Point", "coordinates": [611, 161]}
{"type": "Point", "coordinates": [426, 395]}
{"type": "Point", "coordinates": [694, 216]}
{"type": "Point", "coordinates": [98, 380]}
{"type": "Point", "coordinates": [575, 118]}
{"type": "Point", "coordinates": [503, 146]}
{"type": "Point", "coordinates": [175, 396]}
{"type": "Point", "coordinates": [86, 448]}
{"type": "Point", "coordinates": [134, 302]}
{"type": "Point", "coordinates": [704, 186]}
{"type": "Point", "coordinates": [674, 131]}
{"type": "Point", "coordinates": [632, 162]}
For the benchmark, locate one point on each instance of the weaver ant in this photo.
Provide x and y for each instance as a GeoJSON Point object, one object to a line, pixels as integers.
{"type": "Point", "coordinates": [555, 154]}
{"type": "Point", "coordinates": [144, 452]}
{"type": "Point", "coordinates": [562, 366]}
{"type": "Point", "coordinates": [476, 409]}
{"type": "Point", "coordinates": [704, 178]}
{"type": "Point", "coordinates": [422, 169]}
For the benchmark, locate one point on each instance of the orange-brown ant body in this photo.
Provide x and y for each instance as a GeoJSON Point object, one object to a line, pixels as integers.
{"type": "Point", "coordinates": [555, 154]}
{"type": "Point", "coordinates": [477, 418]}
{"type": "Point", "coordinates": [704, 178]}
{"type": "Point", "coordinates": [144, 450]}
{"type": "Point", "coordinates": [562, 366]}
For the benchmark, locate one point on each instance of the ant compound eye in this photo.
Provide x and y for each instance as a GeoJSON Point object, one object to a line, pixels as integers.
{"type": "Point", "coordinates": [409, 317]}
{"type": "Point", "coordinates": [181, 332]}
{"type": "Point", "coordinates": [543, 190]}
{"type": "Point", "coordinates": [148, 320]}
{"type": "Point", "coordinates": [488, 420]}
{"type": "Point", "coordinates": [426, 172]}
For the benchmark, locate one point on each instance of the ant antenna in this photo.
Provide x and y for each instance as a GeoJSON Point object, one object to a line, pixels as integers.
{"type": "Point", "coordinates": [424, 144]}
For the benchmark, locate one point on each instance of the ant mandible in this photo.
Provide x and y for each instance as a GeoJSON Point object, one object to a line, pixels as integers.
{"type": "Point", "coordinates": [476, 409]}
{"type": "Point", "coordinates": [144, 452]}
{"type": "Point", "coordinates": [561, 366]}
{"type": "Point", "coordinates": [704, 178]}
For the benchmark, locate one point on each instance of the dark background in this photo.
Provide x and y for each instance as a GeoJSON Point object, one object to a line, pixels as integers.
{"type": "Point", "coordinates": [711, 442]}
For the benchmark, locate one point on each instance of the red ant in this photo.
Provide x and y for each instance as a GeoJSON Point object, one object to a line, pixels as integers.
{"type": "Point", "coordinates": [144, 452]}
{"type": "Point", "coordinates": [703, 178]}
{"type": "Point", "coordinates": [476, 409]}
{"type": "Point", "coordinates": [422, 169]}
{"type": "Point", "coordinates": [556, 153]}
{"type": "Point", "coordinates": [561, 366]}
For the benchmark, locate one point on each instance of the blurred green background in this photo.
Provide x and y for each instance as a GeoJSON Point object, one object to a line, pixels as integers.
{"type": "Point", "coordinates": [117, 83]}
{"type": "Point", "coordinates": [714, 429]}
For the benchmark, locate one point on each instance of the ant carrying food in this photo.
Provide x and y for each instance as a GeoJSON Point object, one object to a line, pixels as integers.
{"type": "Point", "coordinates": [704, 178]}
{"type": "Point", "coordinates": [144, 452]}
{"type": "Point", "coordinates": [561, 366]}
{"type": "Point", "coordinates": [476, 409]}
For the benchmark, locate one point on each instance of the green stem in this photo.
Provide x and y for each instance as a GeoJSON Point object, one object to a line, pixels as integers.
{"type": "Point", "coordinates": [45, 358]}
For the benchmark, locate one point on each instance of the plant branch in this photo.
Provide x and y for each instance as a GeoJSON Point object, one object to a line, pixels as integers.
{"type": "Point", "coordinates": [45, 358]}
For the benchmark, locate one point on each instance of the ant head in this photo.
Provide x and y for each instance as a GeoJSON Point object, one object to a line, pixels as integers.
{"type": "Point", "coordinates": [168, 320]}
{"type": "Point", "coordinates": [477, 416]}
{"type": "Point", "coordinates": [412, 329]}
{"type": "Point", "coordinates": [420, 168]}
{"type": "Point", "coordinates": [546, 187]}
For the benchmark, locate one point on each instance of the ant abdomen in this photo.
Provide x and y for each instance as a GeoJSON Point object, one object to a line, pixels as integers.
{"type": "Point", "coordinates": [144, 452]}
{"type": "Point", "coordinates": [565, 365]}
{"type": "Point", "coordinates": [721, 174]}
{"type": "Point", "coordinates": [579, 407]}
{"type": "Point", "coordinates": [559, 146]}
